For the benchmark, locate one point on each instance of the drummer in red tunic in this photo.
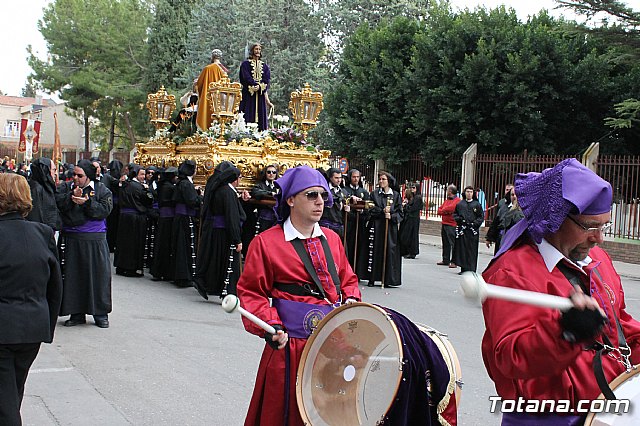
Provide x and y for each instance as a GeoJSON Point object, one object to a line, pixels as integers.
{"type": "Point", "coordinates": [304, 269]}
{"type": "Point", "coordinates": [539, 353]}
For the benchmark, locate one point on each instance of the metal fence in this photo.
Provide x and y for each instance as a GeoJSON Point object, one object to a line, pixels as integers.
{"type": "Point", "coordinates": [494, 171]}
{"type": "Point", "coordinates": [623, 172]}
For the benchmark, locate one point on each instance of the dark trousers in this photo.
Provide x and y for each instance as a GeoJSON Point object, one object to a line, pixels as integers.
{"type": "Point", "coordinates": [448, 234]}
{"type": "Point", "coordinates": [15, 361]}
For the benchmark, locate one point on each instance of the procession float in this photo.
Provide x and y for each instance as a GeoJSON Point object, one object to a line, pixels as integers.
{"type": "Point", "coordinates": [230, 138]}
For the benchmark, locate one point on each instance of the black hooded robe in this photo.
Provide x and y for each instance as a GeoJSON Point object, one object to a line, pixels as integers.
{"type": "Point", "coordinates": [184, 233]}
{"type": "Point", "coordinates": [84, 256]}
{"type": "Point", "coordinates": [469, 217]}
{"type": "Point", "coordinates": [135, 201]}
{"type": "Point", "coordinates": [409, 234]}
{"type": "Point", "coordinates": [163, 265]}
{"type": "Point", "coordinates": [218, 267]}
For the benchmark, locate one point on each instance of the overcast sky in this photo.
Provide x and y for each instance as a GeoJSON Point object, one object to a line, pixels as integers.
{"type": "Point", "coordinates": [19, 29]}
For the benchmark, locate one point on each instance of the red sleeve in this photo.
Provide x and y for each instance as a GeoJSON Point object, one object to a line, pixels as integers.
{"type": "Point", "coordinates": [529, 343]}
{"type": "Point", "coordinates": [255, 286]}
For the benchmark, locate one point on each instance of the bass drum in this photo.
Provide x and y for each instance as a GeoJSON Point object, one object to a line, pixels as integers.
{"type": "Point", "coordinates": [369, 365]}
{"type": "Point", "coordinates": [625, 386]}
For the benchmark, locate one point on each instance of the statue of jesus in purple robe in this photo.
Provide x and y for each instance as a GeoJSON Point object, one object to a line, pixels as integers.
{"type": "Point", "coordinates": [255, 77]}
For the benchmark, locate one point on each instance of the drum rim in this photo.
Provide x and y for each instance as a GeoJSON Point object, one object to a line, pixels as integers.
{"type": "Point", "coordinates": [615, 383]}
{"type": "Point", "coordinates": [307, 347]}
{"type": "Point", "coordinates": [456, 369]}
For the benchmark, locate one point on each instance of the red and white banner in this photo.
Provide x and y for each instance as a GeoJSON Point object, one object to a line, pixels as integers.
{"type": "Point", "coordinates": [29, 135]}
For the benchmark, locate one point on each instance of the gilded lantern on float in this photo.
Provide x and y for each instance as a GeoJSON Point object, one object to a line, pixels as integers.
{"type": "Point", "coordinates": [305, 107]}
{"type": "Point", "coordinates": [224, 98]}
{"type": "Point", "coordinates": [161, 106]}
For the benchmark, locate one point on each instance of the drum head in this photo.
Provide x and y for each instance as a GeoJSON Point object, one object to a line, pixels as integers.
{"type": "Point", "coordinates": [625, 386]}
{"type": "Point", "coordinates": [350, 368]}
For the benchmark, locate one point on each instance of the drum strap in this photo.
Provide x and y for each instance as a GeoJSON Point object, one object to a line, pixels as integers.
{"type": "Point", "coordinates": [601, 348]}
{"type": "Point", "coordinates": [298, 245]}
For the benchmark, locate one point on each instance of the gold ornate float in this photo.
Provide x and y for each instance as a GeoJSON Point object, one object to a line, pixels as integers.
{"type": "Point", "coordinates": [248, 154]}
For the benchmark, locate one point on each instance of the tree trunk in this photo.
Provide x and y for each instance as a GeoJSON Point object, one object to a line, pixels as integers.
{"type": "Point", "coordinates": [132, 136]}
{"type": "Point", "coordinates": [86, 130]}
{"type": "Point", "coordinates": [112, 129]}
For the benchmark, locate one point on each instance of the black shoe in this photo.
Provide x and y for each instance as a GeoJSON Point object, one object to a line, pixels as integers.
{"type": "Point", "coordinates": [154, 278]}
{"type": "Point", "coordinates": [200, 289]}
{"type": "Point", "coordinates": [442, 263]}
{"type": "Point", "coordinates": [371, 284]}
{"type": "Point", "coordinates": [74, 321]}
{"type": "Point", "coordinates": [392, 285]}
{"type": "Point", "coordinates": [102, 323]}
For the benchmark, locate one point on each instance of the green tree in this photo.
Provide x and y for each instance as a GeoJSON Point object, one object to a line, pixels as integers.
{"type": "Point", "coordinates": [368, 106]}
{"type": "Point", "coordinates": [342, 17]}
{"type": "Point", "coordinates": [287, 29]}
{"type": "Point", "coordinates": [167, 45]}
{"type": "Point", "coordinates": [30, 88]}
{"type": "Point", "coordinates": [618, 25]}
{"type": "Point", "coordinates": [96, 56]}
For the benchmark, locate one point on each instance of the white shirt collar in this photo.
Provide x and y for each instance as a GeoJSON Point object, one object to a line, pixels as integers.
{"type": "Point", "coordinates": [190, 178]}
{"type": "Point", "coordinates": [233, 187]}
{"type": "Point", "coordinates": [291, 233]}
{"type": "Point", "coordinates": [387, 191]}
{"type": "Point", "coordinates": [552, 256]}
{"type": "Point", "coordinates": [91, 184]}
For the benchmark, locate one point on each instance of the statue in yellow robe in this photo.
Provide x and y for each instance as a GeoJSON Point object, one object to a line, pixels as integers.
{"type": "Point", "coordinates": [210, 74]}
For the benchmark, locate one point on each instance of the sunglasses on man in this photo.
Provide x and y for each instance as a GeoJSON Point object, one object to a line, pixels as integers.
{"type": "Point", "coordinates": [313, 195]}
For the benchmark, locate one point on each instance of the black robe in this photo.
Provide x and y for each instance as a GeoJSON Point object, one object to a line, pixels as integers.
{"type": "Point", "coordinates": [333, 217]}
{"type": "Point", "coordinates": [409, 234]}
{"type": "Point", "coordinates": [84, 256]}
{"type": "Point", "coordinates": [163, 266]}
{"type": "Point", "coordinates": [355, 224]}
{"type": "Point", "coordinates": [371, 254]}
{"type": "Point", "coordinates": [153, 213]}
{"type": "Point", "coordinates": [135, 201]}
{"type": "Point", "coordinates": [266, 217]}
{"type": "Point", "coordinates": [469, 217]}
{"type": "Point", "coordinates": [113, 219]}
{"type": "Point", "coordinates": [184, 233]}
{"type": "Point", "coordinates": [218, 262]}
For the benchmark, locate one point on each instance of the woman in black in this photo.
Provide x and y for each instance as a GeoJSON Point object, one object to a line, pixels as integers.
{"type": "Point", "coordinates": [469, 217]}
{"type": "Point", "coordinates": [30, 291]}
{"type": "Point", "coordinates": [410, 227]}
{"type": "Point", "coordinates": [163, 265]}
{"type": "Point", "coordinates": [385, 215]}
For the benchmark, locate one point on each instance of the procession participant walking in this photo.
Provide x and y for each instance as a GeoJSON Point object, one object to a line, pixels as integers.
{"type": "Point", "coordinates": [355, 223]}
{"type": "Point", "coordinates": [302, 267]}
{"type": "Point", "coordinates": [84, 254]}
{"type": "Point", "coordinates": [469, 217]}
{"type": "Point", "coordinates": [185, 232]}
{"type": "Point", "coordinates": [112, 180]}
{"type": "Point", "coordinates": [535, 353]}
{"type": "Point", "coordinates": [409, 233]}
{"type": "Point", "coordinates": [218, 262]}
{"type": "Point", "coordinates": [163, 264]}
{"type": "Point", "coordinates": [332, 217]}
{"type": "Point", "coordinates": [30, 291]}
{"type": "Point", "coordinates": [43, 194]}
{"type": "Point", "coordinates": [135, 202]}
{"type": "Point", "coordinates": [265, 189]}
{"type": "Point", "coordinates": [379, 258]}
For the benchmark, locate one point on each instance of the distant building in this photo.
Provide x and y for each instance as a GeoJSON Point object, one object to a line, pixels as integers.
{"type": "Point", "coordinates": [14, 108]}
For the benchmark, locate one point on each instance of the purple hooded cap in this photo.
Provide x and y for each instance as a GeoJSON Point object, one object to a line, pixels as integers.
{"type": "Point", "coordinates": [294, 181]}
{"type": "Point", "coordinates": [547, 199]}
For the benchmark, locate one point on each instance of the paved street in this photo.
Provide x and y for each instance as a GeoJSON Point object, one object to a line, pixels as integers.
{"type": "Point", "coordinates": [171, 358]}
